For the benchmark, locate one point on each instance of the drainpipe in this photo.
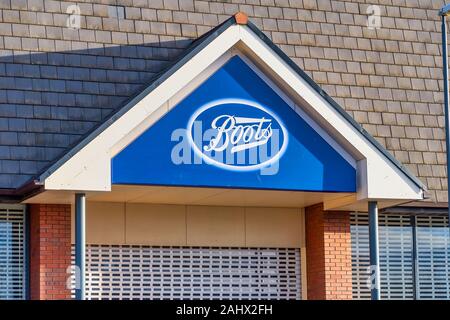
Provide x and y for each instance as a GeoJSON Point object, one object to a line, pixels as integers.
{"type": "Point", "coordinates": [444, 12]}
{"type": "Point", "coordinates": [80, 245]}
{"type": "Point", "coordinates": [374, 251]}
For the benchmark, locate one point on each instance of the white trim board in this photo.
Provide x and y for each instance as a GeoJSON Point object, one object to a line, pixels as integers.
{"type": "Point", "coordinates": [378, 177]}
{"type": "Point", "coordinates": [337, 147]}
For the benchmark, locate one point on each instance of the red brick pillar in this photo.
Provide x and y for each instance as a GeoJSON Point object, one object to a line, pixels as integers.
{"type": "Point", "coordinates": [328, 253]}
{"type": "Point", "coordinates": [50, 251]}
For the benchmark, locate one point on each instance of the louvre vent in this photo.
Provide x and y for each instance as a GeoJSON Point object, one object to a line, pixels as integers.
{"type": "Point", "coordinates": [433, 249]}
{"type": "Point", "coordinates": [143, 272]}
{"type": "Point", "coordinates": [12, 253]}
{"type": "Point", "coordinates": [395, 256]}
{"type": "Point", "coordinates": [360, 255]}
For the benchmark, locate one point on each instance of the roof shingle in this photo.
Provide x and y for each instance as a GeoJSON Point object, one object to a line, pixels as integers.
{"type": "Point", "coordinates": [56, 84]}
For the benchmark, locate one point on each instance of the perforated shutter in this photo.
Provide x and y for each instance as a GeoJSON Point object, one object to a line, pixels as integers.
{"type": "Point", "coordinates": [143, 272]}
{"type": "Point", "coordinates": [359, 231]}
{"type": "Point", "coordinates": [396, 267]}
{"type": "Point", "coordinates": [433, 251]}
{"type": "Point", "coordinates": [12, 252]}
{"type": "Point", "coordinates": [396, 257]}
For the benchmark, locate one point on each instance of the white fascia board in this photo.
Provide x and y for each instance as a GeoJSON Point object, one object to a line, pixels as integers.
{"type": "Point", "coordinates": [318, 129]}
{"type": "Point", "coordinates": [90, 168]}
{"type": "Point", "coordinates": [382, 179]}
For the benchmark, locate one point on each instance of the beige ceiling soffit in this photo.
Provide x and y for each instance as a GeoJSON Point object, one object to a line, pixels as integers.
{"type": "Point", "coordinates": [339, 202]}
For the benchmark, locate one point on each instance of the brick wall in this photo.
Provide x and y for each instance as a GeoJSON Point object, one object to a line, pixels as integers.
{"type": "Point", "coordinates": [50, 250]}
{"type": "Point", "coordinates": [328, 251]}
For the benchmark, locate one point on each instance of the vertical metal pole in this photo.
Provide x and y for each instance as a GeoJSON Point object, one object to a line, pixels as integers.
{"type": "Point", "coordinates": [374, 250]}
{"type": "Point", "coordinates": [446, 100]}
{"type": "Point", "coordinates": [80, 244]}
{"type": "Point", "coordinates": [414, 258]}
{"type": "Point", "coordinates": [27, 253]}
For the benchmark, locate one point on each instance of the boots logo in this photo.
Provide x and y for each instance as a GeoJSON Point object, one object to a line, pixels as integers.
{"type": "Point", "coordinates": [241, 133]}
{"type": "Point", "coordinates": [236, 134]}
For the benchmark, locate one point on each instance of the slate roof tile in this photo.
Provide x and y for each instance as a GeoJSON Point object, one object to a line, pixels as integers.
{"type": "Point", "coordinates": [390, 78]}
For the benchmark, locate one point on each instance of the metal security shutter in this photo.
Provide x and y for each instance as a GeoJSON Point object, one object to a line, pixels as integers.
{"type": "Point", "coordinates": [433, 252]}
{"type": "Point", "coordinates": [144, 272]}
{"type": "Point", "coordinates": [396, 259]}
{"type": "Point", "coordinates": [359, 231]}
{"type": "Point", "coordinates": [12, 252]}
{"type": "Point", "coordinates": [396, 267]}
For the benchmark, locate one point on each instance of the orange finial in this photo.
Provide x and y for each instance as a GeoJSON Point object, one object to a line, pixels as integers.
{"type": "Point", "coordinates": [241, 18]}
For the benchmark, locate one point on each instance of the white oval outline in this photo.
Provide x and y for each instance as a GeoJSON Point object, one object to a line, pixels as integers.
{"type": "Point", "coordinates": [225, 166]}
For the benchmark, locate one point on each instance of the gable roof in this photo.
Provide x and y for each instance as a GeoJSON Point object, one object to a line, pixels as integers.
{"type": "Point", "coordinates": [32, 184]}
{"type": "Point", "coordinates": [336, 106]}
{"type": "Point", "coordinates": [194, 49]}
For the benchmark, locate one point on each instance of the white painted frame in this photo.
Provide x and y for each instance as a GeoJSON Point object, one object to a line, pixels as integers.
{"type": "Point", "coordinates": [322, 133]}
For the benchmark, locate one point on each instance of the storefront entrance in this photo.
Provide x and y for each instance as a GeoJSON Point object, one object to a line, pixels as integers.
{"type": "Point", "coordinates": [174, 271]}
{"type": "Point", "coordinates": [161, 251]}
{"type": "Point", "coordinates": [232, 174]}
{"type": "Point", "coordinates": [147, 272]}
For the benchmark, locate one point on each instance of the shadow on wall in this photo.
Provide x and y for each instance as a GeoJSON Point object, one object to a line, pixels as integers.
{"type": "Point", "coordinates": [48, 101]}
